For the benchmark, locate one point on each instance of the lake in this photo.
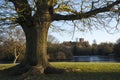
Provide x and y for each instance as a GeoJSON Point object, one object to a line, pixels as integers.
{"type": "Point", "coordinates": [95, 59]}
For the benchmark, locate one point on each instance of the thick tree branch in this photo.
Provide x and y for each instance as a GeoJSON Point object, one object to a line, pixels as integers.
{"type": "Point", "coordinates": [88, 14]}
{"type": "Point", "coordinates": [24, 12]}
{"type": "Point", "coordinates": [22, 8]}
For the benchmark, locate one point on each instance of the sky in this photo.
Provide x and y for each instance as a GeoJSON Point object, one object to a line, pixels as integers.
{"type": "Point", "coordinates": [99, 35]}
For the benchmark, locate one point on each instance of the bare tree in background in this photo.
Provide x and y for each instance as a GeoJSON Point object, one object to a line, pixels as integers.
{"type": "Point", "coordinates": [52, 39]}
{"type": "Point", "coordinates": [36, 16]}
{"type": "Point", "coordinates": [12, 42]}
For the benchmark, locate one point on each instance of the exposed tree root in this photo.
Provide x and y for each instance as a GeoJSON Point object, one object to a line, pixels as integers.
{"type": "Point", "coordinates": [16, 70]}
{"type": "Point", "coordinates": [53, 70]}
{"type": "Point", "coordinates": [28, 70]}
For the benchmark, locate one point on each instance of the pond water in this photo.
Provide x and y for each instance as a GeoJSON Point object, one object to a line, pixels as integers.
{"type": "Point", "coordinates": [95, 59]}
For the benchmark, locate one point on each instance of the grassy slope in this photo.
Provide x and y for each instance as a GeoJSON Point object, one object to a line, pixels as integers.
{"type": "Point", "coordinates": [76, 71]}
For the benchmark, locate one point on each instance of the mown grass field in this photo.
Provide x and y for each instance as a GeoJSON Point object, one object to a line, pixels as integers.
{"type": "Point", "coordinates": [74, 71]}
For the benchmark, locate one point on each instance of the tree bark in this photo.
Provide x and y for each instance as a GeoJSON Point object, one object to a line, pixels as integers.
{"type": "Point", "coordinates": [36, 44]}
{"type": "Point", "coordinates": [36, 29]}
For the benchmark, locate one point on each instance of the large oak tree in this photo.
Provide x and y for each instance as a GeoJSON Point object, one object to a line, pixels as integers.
{"type": "Point", "coordinates": [36, 16]}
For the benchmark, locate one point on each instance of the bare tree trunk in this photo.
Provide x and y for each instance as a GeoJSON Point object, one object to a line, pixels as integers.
{"type": "Point", "coordinates": [15, 54]}
{"type": "Point", "coordinates": [15, 60]}
{"type": "Point", "coordinates": [16, 57]}
{"type": "Point", "coordinates": [36, 45]}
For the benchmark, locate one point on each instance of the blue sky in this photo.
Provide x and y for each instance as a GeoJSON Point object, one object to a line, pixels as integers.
{"type": "Point", "coordinates": [98, 35]}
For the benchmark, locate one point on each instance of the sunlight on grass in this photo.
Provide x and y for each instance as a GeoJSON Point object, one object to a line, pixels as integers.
{"type": "Point", "coordinates": [88, 67]}
{"type": "Point", "coordinates": [5, 66]}
{"type": "Point", "coordinates": [75, 71]}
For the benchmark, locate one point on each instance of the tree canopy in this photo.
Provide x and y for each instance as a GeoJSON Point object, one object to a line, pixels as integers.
{"type": "Point", "coordinates": [86, 12]}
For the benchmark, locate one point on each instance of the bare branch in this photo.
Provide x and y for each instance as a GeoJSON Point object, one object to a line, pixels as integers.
{"type": "Point", "coordinates": [88, 14]}
{"type": "Point", "coordinates": [22, 7]}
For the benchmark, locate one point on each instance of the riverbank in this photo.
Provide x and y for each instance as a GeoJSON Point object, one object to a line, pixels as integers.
{"type": "Point", "coordinates": [74, 71]}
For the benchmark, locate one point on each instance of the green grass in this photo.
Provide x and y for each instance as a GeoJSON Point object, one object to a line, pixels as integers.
{"type": "Point", "coordinates": [5, 66]}
{"type": "Point", "coordinates": [88, 66]}
{"type": "Point", "coordinates": [75, 71]}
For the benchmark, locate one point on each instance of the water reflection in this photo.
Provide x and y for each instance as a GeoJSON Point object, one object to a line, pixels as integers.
{"type": "Point", "coordinates": [95, 59]}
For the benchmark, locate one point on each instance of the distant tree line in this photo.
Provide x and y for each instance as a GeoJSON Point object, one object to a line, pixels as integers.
{"type": "Point", "coordinates": [57, 51]}
{"type": "Point", "coordinates": [12, 47]}
{"type": "Point", "coordinates": [103, 49]}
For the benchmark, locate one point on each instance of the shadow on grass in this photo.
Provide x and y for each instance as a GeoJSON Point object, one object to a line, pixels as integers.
{"type": "Point", "coordinates": [94, 76]}
{"type": "Point", "coordinates": [13, 72]}
{"type": "Point", "coordinates": [65, 76]}
{"type": "Point", "coordinates": [5, 73]}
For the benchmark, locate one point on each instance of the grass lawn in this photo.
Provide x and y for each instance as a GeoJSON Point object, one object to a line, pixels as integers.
{"type": "Point", "coordinates": [74, 71]}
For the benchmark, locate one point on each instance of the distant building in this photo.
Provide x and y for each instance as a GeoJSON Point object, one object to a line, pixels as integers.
{"type": "Point", "coordinates": [81, 40]}
{"type": "Point", "coordinates": [70, 44]}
